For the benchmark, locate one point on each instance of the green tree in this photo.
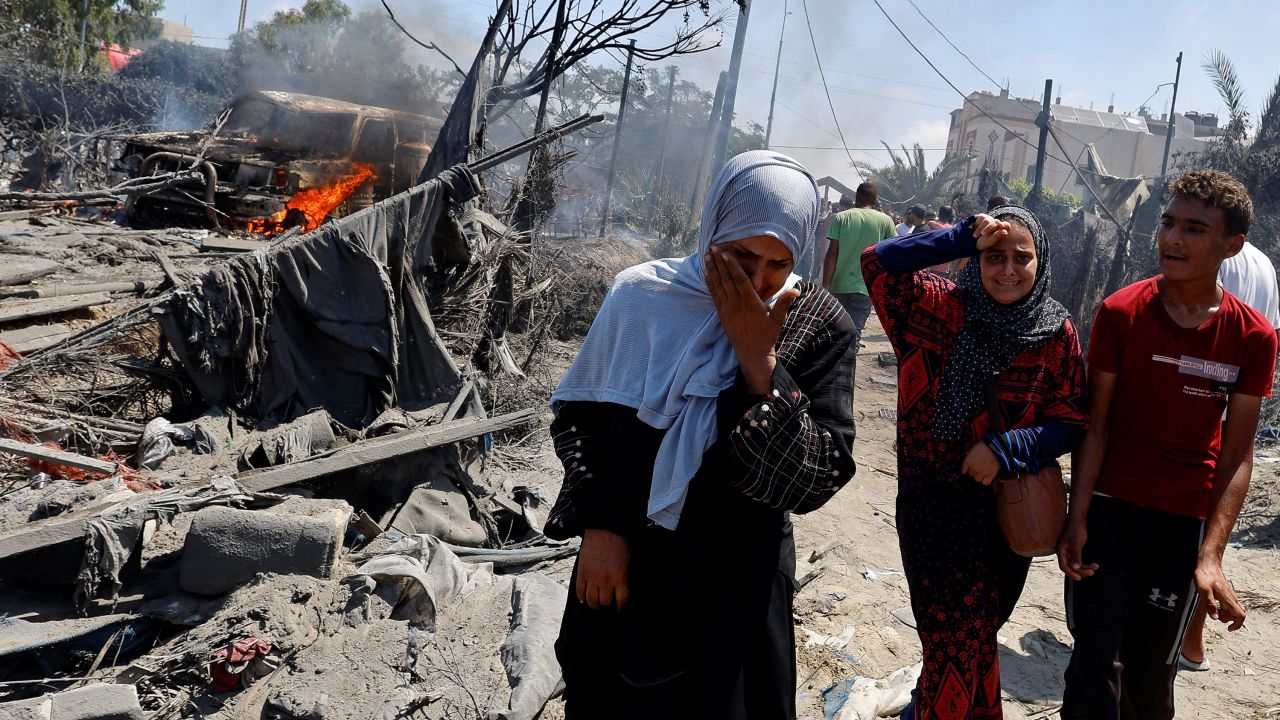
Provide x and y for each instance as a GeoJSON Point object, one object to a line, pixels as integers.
{"type": "Point", "coordinates": [205, 70]}
{"type": "Point", "coordinates": [299, 41]}
{"type": "Point", "coordinates": [1022, 189]}
{"type": "Point", "coordinates": [907, 180]}
{"type": "Point", "coordinates": [48, 31]}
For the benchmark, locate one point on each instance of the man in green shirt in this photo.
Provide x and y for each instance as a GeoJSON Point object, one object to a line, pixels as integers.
{"type": "Point", "coordinates": [851, 232]}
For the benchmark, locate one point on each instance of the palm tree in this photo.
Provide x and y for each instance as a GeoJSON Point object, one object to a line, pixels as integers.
{"type": "Point", "coordinates": [908, 181]}
{"type": "Point", "coordinates": [1253, 159]}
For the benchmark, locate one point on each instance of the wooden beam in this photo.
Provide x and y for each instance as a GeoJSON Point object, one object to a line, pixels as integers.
{"type": "Point", "coordinates": [24, 214]}
{"type": "Point", "coordinates": [60, 290]}
{"type": "Point", "coordinates": [456, 405]}
{"type": "Point", "coordinates": [108, 423]}
{"type": "Point", "coordinates": [45, 534]}
{"type": "Point", "coordinates": [379, 449]}
{"type": "Point", "coordinates": [224, 244]}
{"type": "Point", "coordinates": [170, 272]}
{"type": "Point", "coordinates": [19, 269]}
{"type": "Point", "coordinates": [61, 457]}
{"type": "Point", "coordinates": [36, 337]}
{"type": "Point", "coordinates": [11, 310]}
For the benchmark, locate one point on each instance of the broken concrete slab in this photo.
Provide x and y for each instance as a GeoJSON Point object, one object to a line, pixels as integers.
{"type": "Point", "coordinates": [100, 701]}
{"type": "Point", "coordinates": [226, 547]}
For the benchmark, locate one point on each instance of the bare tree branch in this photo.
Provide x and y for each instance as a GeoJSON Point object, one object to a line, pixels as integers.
{"type": "Point", "coordinates": [427, 45]}
{"type": "Point", "coordinates": [589, 28]}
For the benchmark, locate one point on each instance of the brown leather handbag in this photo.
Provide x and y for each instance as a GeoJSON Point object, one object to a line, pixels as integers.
{"type": "Point", "coordinates": [1031, 508]}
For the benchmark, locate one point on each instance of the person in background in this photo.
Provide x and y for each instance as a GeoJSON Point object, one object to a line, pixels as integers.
{"type": "Point", "coordinates": [945, 219]}
{"type": "Point", "coordinates": [1161, 475]}
{"type": "Point", "coordinates": [710, 399]}
{"type": "Point", "coordinates": [912, 221]}
{"type": "Point", "coordinates": [853, 231]}
{"type": "Point", "coordinates": [822, 245]}
{"type": "Point", "coordinates": [996, 201]}
{"type": "Point", "coordinates": [1250, 276]}
{"type": "Point", "coordinates": [995, 330]}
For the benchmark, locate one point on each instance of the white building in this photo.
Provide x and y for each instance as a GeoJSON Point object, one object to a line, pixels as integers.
{"type": "Point", "coordinates": [1128, 145]}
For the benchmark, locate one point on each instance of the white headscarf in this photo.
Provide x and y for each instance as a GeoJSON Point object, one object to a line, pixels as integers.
{"type": "Point", "coordinates": [657, 344]}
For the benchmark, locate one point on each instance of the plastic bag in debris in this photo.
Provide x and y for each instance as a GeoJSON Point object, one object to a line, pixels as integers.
{"type": "Point", "coordinates": [860, 698]}
{"type": "Point", "coordinates": [417, 575]}
{"type": "Point", "coordinates": [528, 653]}
{"type": "Point", "coordinates": [157, 439]}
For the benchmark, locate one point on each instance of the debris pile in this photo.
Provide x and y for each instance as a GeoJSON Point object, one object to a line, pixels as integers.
{"type": "Point", "coordinates": [271, 482]}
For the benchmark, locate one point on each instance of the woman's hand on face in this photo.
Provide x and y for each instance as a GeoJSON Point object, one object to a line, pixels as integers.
{"type": "Point", "coordinates": [988, 230]}
{"type": "Point", "coordinates": [981, 464]}
{"type": "Point", "coordinates": [750, 324]}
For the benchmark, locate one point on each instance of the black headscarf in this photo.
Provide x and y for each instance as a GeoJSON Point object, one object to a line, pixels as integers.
{"type": "Point", "coordinates": [993, 333]}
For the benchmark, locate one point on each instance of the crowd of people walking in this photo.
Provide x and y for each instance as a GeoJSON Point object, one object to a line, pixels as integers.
{"type": "Point", "coordinates": [713, 397]}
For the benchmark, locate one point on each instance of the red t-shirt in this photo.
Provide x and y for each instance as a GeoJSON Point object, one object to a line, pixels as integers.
{"type": "Point", "coordinates": [1166, 414]}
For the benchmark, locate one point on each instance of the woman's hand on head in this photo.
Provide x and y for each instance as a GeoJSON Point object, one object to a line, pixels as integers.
{"type": "Point", "coordinates": [987, 231]}
{"type": "Point", "coordinates": [750, 324]}
{"type": "Point", "coordinates": [981, 464]}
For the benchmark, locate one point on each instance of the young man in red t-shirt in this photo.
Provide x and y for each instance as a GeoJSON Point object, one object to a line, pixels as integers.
{"type": "Point", "coordinates": [1161, 475]}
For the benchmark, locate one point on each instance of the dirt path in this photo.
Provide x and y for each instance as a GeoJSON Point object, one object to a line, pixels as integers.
{"type": "Point", "coordinates": [1035, 645]}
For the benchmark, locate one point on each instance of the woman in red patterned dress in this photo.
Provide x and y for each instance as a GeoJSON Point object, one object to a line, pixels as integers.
{"type": "Point", "coordinates": [995, 322]}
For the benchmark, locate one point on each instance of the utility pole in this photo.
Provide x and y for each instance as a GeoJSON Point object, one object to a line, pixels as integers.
{"type": "Point", "coordinates": [777, 65]}
{"type": "Point", "coordinates": [656, 189]}
{"type": "Point", "coordinates": [244, 8]}
{"type": "Point", "coordinates": [617, 138]}
{"type": "Point", "coordinates": [731, 89]}
{"type": "Point", "coordinates": [1168, 135]}
{"type": "Point", "coordinates": [695, 202]}
{"type": "Point", "coordinates": [1042, 120]}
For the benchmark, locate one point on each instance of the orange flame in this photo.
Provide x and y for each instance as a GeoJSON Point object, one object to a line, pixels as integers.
{"type": "Point", "coordinates": [315, 204]}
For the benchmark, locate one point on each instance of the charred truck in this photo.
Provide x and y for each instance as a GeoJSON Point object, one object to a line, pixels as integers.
{"type": "Point", "coordinates": [281, 160]}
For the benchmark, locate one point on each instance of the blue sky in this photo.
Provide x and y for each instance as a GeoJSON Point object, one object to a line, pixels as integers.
{"type": "Point", "coordinates": [880, 87]}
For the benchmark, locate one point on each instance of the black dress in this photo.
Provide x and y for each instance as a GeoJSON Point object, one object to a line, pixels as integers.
{"type": "Point", "coordinates": [707, 631]}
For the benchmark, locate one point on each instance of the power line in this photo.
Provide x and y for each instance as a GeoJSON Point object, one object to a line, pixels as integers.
{"type": "Point", "coordinates": [1088, 186]}
{"type": "Point", "coordinates": [959, 92]}
{"type": "Point", "coordinates": [821, 74]}
{"type": "Point", "coordinates": [953, 45]}
{"type": "Point", "coordinates": [837, 147]}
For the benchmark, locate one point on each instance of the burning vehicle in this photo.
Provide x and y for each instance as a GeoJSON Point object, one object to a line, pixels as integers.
{"type": "Point", "coordinates": [281, 160]}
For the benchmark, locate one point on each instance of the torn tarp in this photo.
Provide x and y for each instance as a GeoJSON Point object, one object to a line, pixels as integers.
{"type": "Point", "coordinates": [529, 652]}
{"type": "Point", "coordinates": [417, 575]}
{"type": "Point", "coordinates": [336, 318]}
